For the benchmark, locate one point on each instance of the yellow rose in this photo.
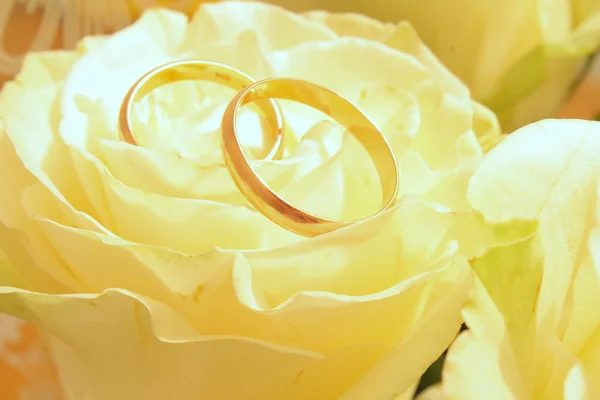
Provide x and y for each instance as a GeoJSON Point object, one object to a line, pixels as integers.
{"type": "Point", "coordinates": [152, 279]}
{"type": "Point", "coordinates": [534, 320]}
{"type": "Point", "coordinates": [519, 57]}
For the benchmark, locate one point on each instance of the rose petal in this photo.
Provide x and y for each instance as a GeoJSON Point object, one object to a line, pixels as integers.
{"type": "Point", "coordinates": [533, 317]}
{"type": "Point", "coordinates": [546, 171]}
{"type": "Point", "coordinates": [356, 25]}
{"type": "Point", "coordinates": [393, 375]}
{"type": "Point", "coordinates": [114, 331]}
{"type": "Point", "coordinates": [433, 392]}
{"type": "Point", "coordinates": [275, 27]}
{"type": "Point", "coordinates": [114, 66]}
{"type": "Point", "coordinates": [584, 318]}
{"type": "Point", "coordinates": [500, 344]}
{"type": "Point", "coordinates": [370, 61]}
{"type": "Point", "coordinates": [577, 385]}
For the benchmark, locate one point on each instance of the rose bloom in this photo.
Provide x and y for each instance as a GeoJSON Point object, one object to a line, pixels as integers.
{"type": "Point", "coordinates": [148, 274]}
{"type": "Point", "coordinates": [534, 320]}
{"type": "Point", "coordinates": [519, 57]}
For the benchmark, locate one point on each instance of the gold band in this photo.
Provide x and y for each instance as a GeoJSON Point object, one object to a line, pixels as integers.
{"type": "Point", "coordinates": [199, 70]}
{"type": "Point", "coordinates": [255, 189]}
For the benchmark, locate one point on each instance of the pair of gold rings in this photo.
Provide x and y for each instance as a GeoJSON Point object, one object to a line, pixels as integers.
{"type": "Point", "coordinates": [263, 93]}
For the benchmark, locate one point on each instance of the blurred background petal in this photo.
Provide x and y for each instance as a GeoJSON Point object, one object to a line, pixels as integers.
{"type": "Point", "coordinates": [26, 372]}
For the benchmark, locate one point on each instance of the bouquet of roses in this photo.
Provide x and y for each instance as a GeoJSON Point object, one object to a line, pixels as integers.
{"type": "Point", "coordinates": [242, 201]}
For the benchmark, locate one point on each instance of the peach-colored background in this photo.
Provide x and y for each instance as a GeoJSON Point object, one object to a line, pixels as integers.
{"type": "Point", "coordinates": [585, 103]}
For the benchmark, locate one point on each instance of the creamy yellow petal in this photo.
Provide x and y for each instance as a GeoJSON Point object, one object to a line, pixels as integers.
{"type": "Point", "coordinates": [558, 367]}
{"type": "Point", "coordinates": [409, 394]}
{"type": "Point", "coordinates": [441, 112]}
{"type": "Point", "coordinates": [404, 242]}
{"type": "Point", "coordinates": [24, 243]}
{"type": "Point", "coordinates": [435, 330]}
{"type": "Point", "coordinates": [37, 145]}
{"type": "Point", "coordinates": [590, 359]}
{"type": "Point", "coordinates": [577, 385]}
{"type": "Point", "coordinates": [114, 331]}
{"type": "Point", "coordinates": [246, 50]}
{"type": "Point", "coordinates": [546, 171]}
{"type": "Point", "coordinates": [354, 189]}
{"type": "Point", "coordinates": [151, 271]}
{"type": "Point", "coordinates": [584, 318]}
{"type": "Point", "coordinates": [8, 273]}
{"type": "Point", "coordinates": [394, 110]}
{"type": "Point", "coordinates": [433, 392]}
{"type": "Point", "coordinates": [541, 313]}
{"type": "Point", "coordinates": [372, 62]}
{"type": "Point", "coordinates": [476, 236]}
{"type": "Point", "coordinates": [192, 226]}
{"type": "Point", "coordinates": [355, 359]}
{"type": "Point", "coordinates": [13, 180]}
{"type": "Point", "coordinates": [474, 369]}
{"type": "Point", "coordinates": [43, 69]}
{"type": "Point", "coordinates": [486, 126]}
{"type": "Point", "coordinates": [534, 158]}
{"type": "Point", "coordinates": [451, 190]}
{"type": "Point", "coordinates": [275, 27]}
{"type": "Point", "coordinates": [113, 263]}
{"type": "Point", "coordinates": [495, 355]}
{"type": "Point", "coordinates": [406, 39]}
{"type": "Point", "coordinates": [151, 41]}
{"type": "Point", "coordinates": [350, 24]}
{"type": "Point", "coordinates": [37, 271]}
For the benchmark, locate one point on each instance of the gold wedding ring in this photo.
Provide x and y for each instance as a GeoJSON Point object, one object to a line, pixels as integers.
{"type": "Point", "coordinates": [199, 70]}
{"type": "Point", "coordinates": [256, 190]}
